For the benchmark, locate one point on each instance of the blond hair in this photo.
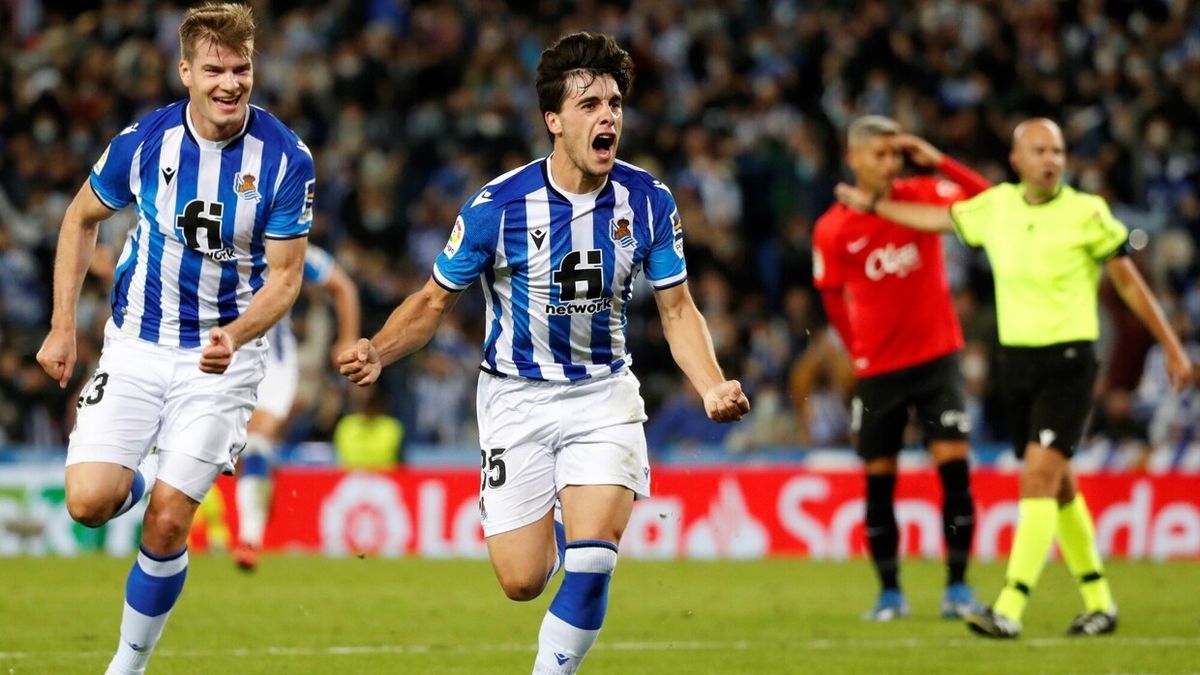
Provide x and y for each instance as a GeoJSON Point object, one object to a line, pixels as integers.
{"type": "Point", "coordinates": [224, 23]}
{"type": "Point", "coordinates": [871, 126]}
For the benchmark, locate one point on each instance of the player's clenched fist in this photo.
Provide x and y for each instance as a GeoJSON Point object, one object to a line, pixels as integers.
{"type": "Point", "coordinates": [360, 364]}
{"type": "Point", "coordinates": [726, 402]}
{"type": "Point", "coordinates": [57, 356]}
{"type": "Point", "coordinates": [218, 353]}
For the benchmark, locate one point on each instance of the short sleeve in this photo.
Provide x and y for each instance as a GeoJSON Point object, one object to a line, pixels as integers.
{"type": "Point", "coordinates": [291, 211]}
{"type": "Point", "coordinates": [827, 270]}
{"type": "Point", "coordinates": [470, 248]}
{"type": "Point", "coordinates": [318, 265]}
{"type": "Point", "coordinates": [665, 266]}
{"type": "Point", "coordinates": [110, 174]}
{"type": "Point", "coordinates": [1103, 232]}
{"type": "Point", "coordinates": [972, 217]}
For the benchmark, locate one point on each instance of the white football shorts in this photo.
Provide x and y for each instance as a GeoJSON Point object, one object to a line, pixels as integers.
{"type": "Point", "coordinates": [144, 394]}
{"type": "Point", "coordinates": [277, 390]}
{"type": "Point", "coordinates": [539, 437]}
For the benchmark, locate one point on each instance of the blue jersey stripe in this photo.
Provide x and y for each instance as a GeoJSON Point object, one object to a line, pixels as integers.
{"type": "Point", "coordinates": [191, 263]}
{"type": "Point", "coordinates": [123, 276]}
{"type": "Point", "coordinates": [601, 342]}
{"type": "Point", "coordinates": [231, 165]}
{"type": "Point", "coordinates": [152, 297]}
{"type": "Point", "coordinates": [516, 246]}
{"type": "Point", "coordinates": [560, 326]}
{"type": "Point", "coordinates": [489, 345]}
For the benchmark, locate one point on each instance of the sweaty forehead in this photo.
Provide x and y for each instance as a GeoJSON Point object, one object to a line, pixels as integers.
{"type": "Point", "coordinates": [586, 84]}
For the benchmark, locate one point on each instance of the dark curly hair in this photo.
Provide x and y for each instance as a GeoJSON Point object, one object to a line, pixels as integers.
{"type": "Point", "coordinates": [594, 54]}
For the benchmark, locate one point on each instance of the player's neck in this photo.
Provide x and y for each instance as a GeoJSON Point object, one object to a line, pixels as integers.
{"type": "Point", "coordinates": [211, 132]}
{"type": "Point", "coordinates": [1035, 195]}
{"type": "Point", "coordinates": [880, 190]}
{"type": "Point", "coordinates": [568, 177]}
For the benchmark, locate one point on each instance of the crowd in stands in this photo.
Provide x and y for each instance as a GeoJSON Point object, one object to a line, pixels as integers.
{"type": "Point", "coordinates": [740, 107]}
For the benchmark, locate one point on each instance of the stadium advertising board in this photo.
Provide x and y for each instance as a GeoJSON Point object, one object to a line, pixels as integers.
{"type": "Point", "coordinates": [731, 512]}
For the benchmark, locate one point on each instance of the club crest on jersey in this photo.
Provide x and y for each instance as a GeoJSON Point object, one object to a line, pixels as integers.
{"type": "Point", "coordinates": [243, 185]}
{"type": "Point", "coordinates": [621, 233]}
{"type": "Point", "coordinates": [456, 237]}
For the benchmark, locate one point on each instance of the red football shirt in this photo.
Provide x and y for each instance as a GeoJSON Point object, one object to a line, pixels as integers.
{"type": "Point", "coordinates": [893, 278]}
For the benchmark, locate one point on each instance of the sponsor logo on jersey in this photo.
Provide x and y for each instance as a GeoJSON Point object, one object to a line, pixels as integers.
{"type": "Point", "coordinates": [456, 237]}
{"type": "Point", "coordinates": [243, 185]}
{"type": "Point", "coordinates": [887, 260]}
{"type": "Point", "coordinates": [594, 307]}
{"type": "Point", "coordinates": [620, 232]}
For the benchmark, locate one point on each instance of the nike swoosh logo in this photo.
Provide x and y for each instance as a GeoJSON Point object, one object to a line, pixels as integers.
{"type": "Point", "coordinates": [857, 245]}
{"type": "Point", "coordinates": [538, 237]}
{"type": "Point", "coordinates": [483, 197]}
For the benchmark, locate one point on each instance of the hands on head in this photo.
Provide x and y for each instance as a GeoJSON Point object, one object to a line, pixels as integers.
{"type": "Point", "coordinates": [725, 402]}
{"type": "Point", "coordinates": [360, 363]}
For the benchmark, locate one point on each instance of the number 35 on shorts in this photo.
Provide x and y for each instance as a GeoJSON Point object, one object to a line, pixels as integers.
{"type": "Point", "coordinates": [93, 392]}
{"type": "Point", "coordinates": [491, 468]}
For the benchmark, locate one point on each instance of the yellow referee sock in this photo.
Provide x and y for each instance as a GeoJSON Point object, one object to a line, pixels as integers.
{"type": "Point", "coordinates": [1035, 534]}
{"type": "Point", "coordinates": [1077, 542]}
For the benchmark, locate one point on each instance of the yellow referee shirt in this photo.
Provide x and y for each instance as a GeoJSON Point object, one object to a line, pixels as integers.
{"type": "Point", "coordinates": [1045, 259]}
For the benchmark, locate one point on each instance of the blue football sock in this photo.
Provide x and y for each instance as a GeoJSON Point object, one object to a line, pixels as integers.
{"type": "Point", "coordinates": [153, 586]}
{"type": "Point", "coordinates": [573, 621]}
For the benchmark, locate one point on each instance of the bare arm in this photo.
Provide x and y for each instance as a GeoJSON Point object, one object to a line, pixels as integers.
{"type": "Point", "coordinates": [344, 294]}
{"type": "Point", "coordinates": [692, 348]}
{"type": "Point", "coordinates": [76, 243]}
{"type": "Point", "coordinates": [923, 217]}
{"type": "Point", "coordinates": [1136, 294]}
{"type": "Point", "coordinates": [409, 328]}
{"type": "Point", "coordinates": [285, 259]}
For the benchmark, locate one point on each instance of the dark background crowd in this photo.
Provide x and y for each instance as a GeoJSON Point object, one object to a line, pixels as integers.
{"type": "Point", "coordinates": [739, 106]}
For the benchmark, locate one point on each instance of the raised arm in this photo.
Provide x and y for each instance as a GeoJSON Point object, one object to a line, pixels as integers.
{"type": "Point", "coordinates": [285, 260]}
{"type": "Point", "coordinates": [76, 243]}
{"type": "Point", "coordinates": [410, 327]}
{"type": "Point", "coordinates": [1136, 294]}
{"type": "Point", "coordinates": [923, 217]}
{"type": "Point", "coordinates": [692, 348]}
{"type": "Point", "coordinates": [925, 154]}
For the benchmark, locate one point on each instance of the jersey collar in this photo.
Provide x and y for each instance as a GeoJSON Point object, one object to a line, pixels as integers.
{"type": "Point", "coordinates": [573, 197]}
{"type": "Point", "coordinates": [215, 145]}
{"type": "Point", "coordinates": [1022, 187]}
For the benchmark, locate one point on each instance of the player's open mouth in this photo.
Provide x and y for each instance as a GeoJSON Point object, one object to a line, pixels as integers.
{"type": "Point", "coordinates": [603, 145]}
{"type": "Point", "coordinates": [228, 103]}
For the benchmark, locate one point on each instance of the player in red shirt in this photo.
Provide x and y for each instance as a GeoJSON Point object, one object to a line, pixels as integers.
{"type": "Point", "coordinates": [885, 290]}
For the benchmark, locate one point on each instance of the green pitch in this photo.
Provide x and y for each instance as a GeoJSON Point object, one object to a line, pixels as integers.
{"type": "Point", "coordinates": [313, 615]}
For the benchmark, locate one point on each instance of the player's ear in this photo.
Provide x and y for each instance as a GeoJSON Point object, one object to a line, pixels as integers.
{"type": "Point", "coordinates": [185, 73]}
{"type": "Point", "coordinates": [553, 122]}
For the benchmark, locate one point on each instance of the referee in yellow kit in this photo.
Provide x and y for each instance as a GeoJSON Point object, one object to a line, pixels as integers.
{"type": "Point", "coordinates": [1046, 242]}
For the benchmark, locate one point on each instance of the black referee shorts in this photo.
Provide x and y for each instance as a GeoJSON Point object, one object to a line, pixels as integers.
{"type": "Point", "coordinates": [881, 406]}
{"type": "Point", "coordinates": [1047, 393]}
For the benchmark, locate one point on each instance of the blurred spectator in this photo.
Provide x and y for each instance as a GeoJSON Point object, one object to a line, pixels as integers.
{"type": "Point", "coordinates": [368, 438]}
{"type": "Point", "coordinates": [405, 105]}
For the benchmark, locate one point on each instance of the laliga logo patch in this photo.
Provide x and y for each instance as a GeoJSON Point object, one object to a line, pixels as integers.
{"type": "Point", "coordinates": [456, 237]}
{"type": "Point", "coordinates": [677, 230]}
{"type": "Point", "coordinates": [243, 184]}
{"type": "Point", "coordinates": [620, 232]}
{"type": "Point", "coordinates": [99, 165]}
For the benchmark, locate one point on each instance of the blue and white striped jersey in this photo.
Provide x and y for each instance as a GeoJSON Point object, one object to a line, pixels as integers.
{"type": "Point", "coordinates": [558, 268]}
{"type": "Point", "coordinates": [204, 209]}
